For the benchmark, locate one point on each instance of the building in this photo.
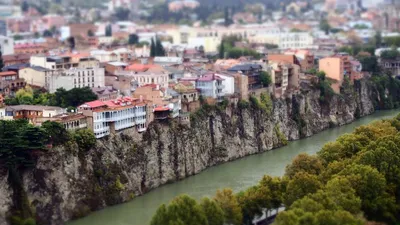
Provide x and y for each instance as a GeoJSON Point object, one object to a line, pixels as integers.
{"type": "Point", "coordinates": [210, 86]}
{"type": "Point", "coordinates": [285, 77]}
{"type": "Point", "coordinates": [252, 71]}
{"type": "Point", "coordinates": [66, 78]}
{"type": "Point", "coordinates": [105, 93]}
{"type": "Point", "coordinates": [16, 59]}
{"type": "Point", "coordinates": [334, 69]}
{"type": "Point", "coordinates": [10, 83]}
{"type": "Point", "coordinates": [47, 22]}
{"type": "Point", "coordinates": [150, 92]}
{"type": "Point", "coordinates": [189, 96]}
{"type": "Point", "coordinates": [168, 61]}
{"type": "Point", "coordinates": [72, 121]}
{"type": "Point", "coordinates": [391, 65]}
{"type": "Point", "coordinates": [6, 45]}
{"type": "Point", "coordinates": [30, 48]}
{"type": "Point", "coordinates": [64, 62]}
{"type": "Point", "coordinates": [19, 24]}
{"type": "Point", "coordinates": [118, 55]}
{"type": "Point", "coordinates": [107, 117]}
{"type": "Point", "coordinates": [32, 112]}
{"type": "Point", "coordinates": [179, 5]}
{"type": "Point", "coordinates": [3, 27]}
{"type": "Point", "coordinates": [146, 74]}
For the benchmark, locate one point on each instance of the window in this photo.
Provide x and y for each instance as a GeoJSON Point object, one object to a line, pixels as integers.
{"type": "Point", "coordinates": [92, 79]}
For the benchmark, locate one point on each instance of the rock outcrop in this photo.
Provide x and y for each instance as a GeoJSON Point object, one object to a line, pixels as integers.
{"type": "Point", "coordinates": [67, 183]}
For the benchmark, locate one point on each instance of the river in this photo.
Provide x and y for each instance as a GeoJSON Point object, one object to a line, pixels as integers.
{"type": "Point", "coordinates": [237, 175]}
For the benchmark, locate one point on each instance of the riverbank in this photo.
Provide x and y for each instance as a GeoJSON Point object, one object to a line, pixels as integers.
{"type": "Point", "coordinates": [67, 184]}
{"type": "Point", "coordinates": [238, 175]}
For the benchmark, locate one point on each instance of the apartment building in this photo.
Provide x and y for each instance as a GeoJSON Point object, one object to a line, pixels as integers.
{"type": "Point", "coordinates": [107, 117]}
{"type": "Point", "coordinates": [252, 71]}
{"type": "Point", "coordinates": [285, 77]}
{"type": "Point", "coordinates": [6, 45]}
{"type": "Point", "coordinates": [66, 78]}
{"type": "Point", "coordinates": [32, 112]}
{"type": "Point", "coordinates": [15, 59]}
{"type": "Point", "coordinates": [210, 85]}
{"type": "Point", "coordinates": [146, 74]}
{"type": "Point", "coordinates": [64, 62]}
{"type": "Point", "coordinates": [391, 65]}
{"type": "Point", "coordinates": [10, 83]}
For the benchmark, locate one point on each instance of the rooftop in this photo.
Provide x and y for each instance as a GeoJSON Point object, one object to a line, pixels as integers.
{"type": "Point", "coordinates": [7, 73]}
{"type": "Point", "coordinates": [31, 108]}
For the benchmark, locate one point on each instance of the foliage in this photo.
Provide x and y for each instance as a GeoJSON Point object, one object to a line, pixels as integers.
{"type": "Point", "coordinates": [230, 206]}
{"type": "Point", "coordinates": [212, 211]}
{"type": "Point", "coordinates": [360, 27]}
{"type": "Point", "coordinates": [108, 30]}
{"type": "Point", "coordinates": [243, 104]}
{"type": "Point", "coordinates": [390, 54]}
{"type": "Point", "coordinates": [182, 210]}
{"type": "Point", "coordinates": [352, 180]}
{"type": "Point", "coordinates": [387, 90]}
{"type": "Point", "coordinates": [265, 78]}
{"type": "Point", "coordinates": [122, 14]}
{"type": "Point", "coordinates": [221, 50]}
{"type": "Point", "coordinates": [85, 139]}
{"type": "Point", "coordinates": [369, 63]}
{"type": "Point", "coordinates": [156, 48]}
{"type": "Point", "coordinates": [392, 41]}
{"type": "Point", "coordinates": [324, 85]}
{"type": "Point", "coordinates": [133, 39]}
{"type": "Point", "coordinates": [324, 26]}
{"type": "Point", "coordinates": [58, 135]}
{"type": "Point", "coordinates": [281, 137]}
{"type": "Point", "coordinates": [24, 6]}
{"type": "Point", "coordinates": [47, 33]}
{"type": "Point", "coordinates": [1, 61]}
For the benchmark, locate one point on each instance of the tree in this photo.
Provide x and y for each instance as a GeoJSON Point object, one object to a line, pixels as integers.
{"type": "Point", "coordinates": [213, 212]}
{"type": "Point", "coordinates": [47, 33]}
{"type": "Point", "coordinates": [253, 201]}
{"type": "Point", "coordinates": [265, 78]}
{"type": "Point", "coordinates": [304, 163]}
{"type": "Point", "coordinates": [369, 63]}
{"type": "Point", "coordinates": [183, 210]}
{"type": "Point", "coordinates": [109, 30]}
{"type": "Point", "coordinates": [122, 13]}
{"type": "Point", "coordinates": [71, 43]}
{"type": "Point", "coordinates": [378, 39]}
{"type": "Point", "coordinates": [160, 51]}
{"type": "Point", "coordinates": [230, 205]}
{"type": "Point", "coordinates": [133, 39]}
{"type": "Point", "coordinates": [85, 139]}
{"type": "Point", "coordinates": [390, 54]}
{"type": "Point", "coordinates": [153, 48]}
{"type": "Point", "coordinates": [222, 50]}
{"type": "Point", "coordinates": [90, 33]}
{"type": "Point", "coordinates": [24, 6]}
{"type": "Point", "coordinates": [1, 61]}
{"type": "Point", "coordinates": [56, 132]}
{"type": "Point", "coordinates": [324, 26]}
{"type": "Point", "coordinates": [301, 185]}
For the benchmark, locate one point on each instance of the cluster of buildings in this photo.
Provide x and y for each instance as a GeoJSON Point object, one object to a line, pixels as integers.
{"type": "Point", "coordinates": [134, 89]}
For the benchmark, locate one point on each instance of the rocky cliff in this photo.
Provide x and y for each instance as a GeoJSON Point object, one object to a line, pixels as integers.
{"type": "Point", "coordinates": [68, 183]}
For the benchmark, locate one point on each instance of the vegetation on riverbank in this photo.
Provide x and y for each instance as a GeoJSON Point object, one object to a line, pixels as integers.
{"type": "Point", "coordinates": [350, 181]}
{"type": "Point", "coordinates": [20, 146]}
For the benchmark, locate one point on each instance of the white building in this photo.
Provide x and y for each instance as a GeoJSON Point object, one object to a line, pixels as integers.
{"type": "Point", "coordinates": [106, 117]}
{"type": "Point", "coordinates": [121, 54]}
{"type": "Point", "coordinates": [6, 45]}
{"type": "Point", "coordinates": [210, 85]}
{"type": "Point", "coordinates": [228, 84]}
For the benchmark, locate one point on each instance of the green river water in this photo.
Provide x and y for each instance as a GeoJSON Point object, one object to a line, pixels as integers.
{"type": "Point", "coordinates": [237, 175]}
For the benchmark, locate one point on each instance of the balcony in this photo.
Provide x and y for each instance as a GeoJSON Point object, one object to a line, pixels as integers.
{"type": "Point", "coordinates": [140, 114]}
{"type": "Point", "coordinates": [142, 129]}
{"type": "Point", "coordinates": [220, 94]}
{"type": "Point", "coordinates": [100, 130]}
{"type": "Point", "coordinates": [140, 121]}
{"type": "Point", "coordinates": [220, 86]}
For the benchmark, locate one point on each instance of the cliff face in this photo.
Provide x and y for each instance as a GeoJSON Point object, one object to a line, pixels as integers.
{"type": "Point", "coordinates": [67, 184]}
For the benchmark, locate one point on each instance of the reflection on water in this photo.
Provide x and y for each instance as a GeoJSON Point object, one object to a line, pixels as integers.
{"type": "Point", "coordinates": [237, 175]}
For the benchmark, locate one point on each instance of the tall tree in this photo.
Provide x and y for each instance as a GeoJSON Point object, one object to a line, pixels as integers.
{"type": "Point", "coordinates": [230, 205]}
{"type": "Point", "coordinates": [152, 48]}
{"type": "Point", "coordinates": [213, 212]}
{"type": "Point", "coordinates": [133, 39]}
{"type": "Point", "coordinates": [222, 50]}
{"type": "Point", "coordinates": [109, 30]}
{"type": "Point", "coordinates": [1, 61]}
{"type": "Point", "coordinates": [24, 6]}
{"type": "Point", "coordinates": [160, 51]}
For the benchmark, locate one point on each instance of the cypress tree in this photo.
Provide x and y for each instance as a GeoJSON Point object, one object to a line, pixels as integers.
{"type": "Point", "coordinates": [159, 48]}
{"type": "Point", "coordinates": [222, 50]}
{"type": "Point", "coordinates": [152, 48]}
{"type": "Point", "coordinates": [1, 61]}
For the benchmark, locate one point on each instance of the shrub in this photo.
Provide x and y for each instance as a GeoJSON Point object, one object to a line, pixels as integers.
{"type": "Point", "coordinates": [85, 139]}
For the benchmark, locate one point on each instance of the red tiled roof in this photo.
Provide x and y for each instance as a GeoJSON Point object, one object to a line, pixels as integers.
{"type": "Point", "coordinates": [7, 73]}
{"type": "Point", "coordinates": [161, 109]}
{"type": "Point", "coordinates": [95, 104]}
{"type": "Point", "coordinates": [138, 67]}
{"type": "Point", "coordinates": [28, 45]}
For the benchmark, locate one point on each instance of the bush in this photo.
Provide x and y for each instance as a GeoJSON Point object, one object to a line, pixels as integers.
{"type": "Point", "coordinates": [85, 139]}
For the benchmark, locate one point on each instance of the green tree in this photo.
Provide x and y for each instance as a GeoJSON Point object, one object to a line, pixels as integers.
{"type": "Point", "coordinates": [182, 210]}
{"type": "Point", "coordinates": [253, 201]}
{"type": "Point", "coordinates": [301, 185]}
{"type": "Point", "coordinates": [265, 78]}
{"type": "Point", "coordinates": [122, 13]}
{"type": "Point", "coordinates": [85, 139]}
{"type": "Point", "coordinates": [378, 39]}
{"type": "Point", "coordinates": [153, 50]}
{"type": "Point", "coordinates": [390, 54]}
{"type": "Point", "coordinates": [304, 163]}
{"type": "Point", "coordinates": [324, 26]}
{"type": "Point", "coordinates": [56, 132]}
{"type": "Point", "coordinates": [369, 63]}
{"type": "Point", "coordinates": [47, 33]}
{"type": "Point", "coordinates": [160, 51]}
{"type": "Point", "coordinates": [109, 30]}
{"type": "Point", "coordinates": [213, 212]}
{"type": "Point", "coordinates": [1, 61]}
{"type": "Point", "coordinates": [221, 53]}
{"type": "Point", "coordinates": [230, 205]}
{"type": "Point", "coordinates": [133, 39]}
